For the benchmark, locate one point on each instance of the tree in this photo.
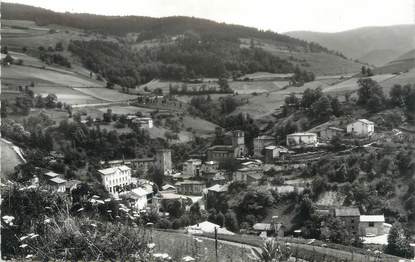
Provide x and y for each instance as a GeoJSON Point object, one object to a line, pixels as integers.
{"type": "Point", "coordinates": [322, 109]}
{"type": "Point", "coordinates": [8, 59]}
{"type": "Point", "coordinates": [398, 242]}
{"type": "Point", "coordinates": [310, 96]}
{"type": "Point", "coordinates": [370, 94]}
{"type": "Point", "coordinates": [51, 100]}
{"type": "Point", "coordinates": [363, 70]}
{"type": "Point", "coordinates": [271, 251]}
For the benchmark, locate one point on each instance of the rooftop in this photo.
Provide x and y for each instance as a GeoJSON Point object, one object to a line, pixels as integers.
{"type": "Point", "coordinates": [262, 226]}
{"type": "Point", "coordinates": [218, 188]}
{"type": "Point", "coordinates": [51, 174]}
{"type": "Point", "coordinates": [112, 170]}
{"type": "Point", "coordinates": [365, 121]}
{"type": "Point", "coordinates": [264, 137]}
{"type": "Point", "coordinates": [190, 182]}
{"type": "Point", "coordinates": [372, 218]}
{"type": "Point", "coordinates": [346, 212]}
{"type": "Point", "coordinates": [57, 180]}
{"type": "Point", "coordinates": [303, 134]}
{"type": "Point", "coordinates": [221, 148]}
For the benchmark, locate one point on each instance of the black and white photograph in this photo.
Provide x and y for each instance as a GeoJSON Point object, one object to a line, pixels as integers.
{"type": "Point", "coordinates": [207, 130]}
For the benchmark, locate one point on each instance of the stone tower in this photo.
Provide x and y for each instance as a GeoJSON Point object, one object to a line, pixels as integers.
{"type": "Point", "coordinates": [238, 138]}
{"type": "Point", "coordinates": [238, 144]}
{"type": "Point", "coordinates": [163, 160]}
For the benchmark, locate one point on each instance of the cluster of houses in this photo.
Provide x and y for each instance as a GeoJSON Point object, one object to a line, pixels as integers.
{"type": "Point", "coordinates": [202, 179]}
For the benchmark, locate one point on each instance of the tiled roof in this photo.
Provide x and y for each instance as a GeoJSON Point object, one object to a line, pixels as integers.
{"type": "Point", "coordinates": [303, 134]}
{"type": "Point", "coordinates": [346, 212]}
{"type": "Point", "coordinates": [372, 218]}
{"type": "Point", "coordinates": [57, 180]}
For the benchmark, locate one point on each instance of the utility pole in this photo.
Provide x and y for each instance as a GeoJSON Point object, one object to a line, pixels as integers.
{"type": "Point", "coordinates": [216, 244]}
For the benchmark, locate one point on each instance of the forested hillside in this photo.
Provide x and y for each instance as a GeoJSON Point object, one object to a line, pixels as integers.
{"type": "Point", "coordinates": [148, 27]}
{"type": "Point", "coordinates": [189, 57]}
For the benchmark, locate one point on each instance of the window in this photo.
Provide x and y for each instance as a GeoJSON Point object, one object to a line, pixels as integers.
{"type": "Point", "coordinates": [371, 224]}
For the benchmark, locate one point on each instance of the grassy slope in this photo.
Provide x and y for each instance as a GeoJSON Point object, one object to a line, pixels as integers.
{"type": "Point", "coordinates": [320, 63]}
{"type": "Point", "coordinates": [69, 84]}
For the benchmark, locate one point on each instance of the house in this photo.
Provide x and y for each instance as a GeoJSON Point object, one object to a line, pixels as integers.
{"type": "Point", "coordinates": [192, 167]}
{"type": "Point", "coordinates": [371, 225]}
{"type": "Point", "coordinates": [190, 187]}
{"type": "Point", "coordinates": [115, 177]}
{"type": "Point", "coordinates": [350, 217]}
{"type": "Point", "coordinates": [330, 132]}
{"type": "Point", "coordinates": [49, 175]}
{"type": "Point", "coordinates": [274, 152]}
{"type": "Point", "coordinates": [301, 140]}
{"type": "Point", "coordinates": [137, 198]}
{"type": "Point", "coordinates": [57, 184]}
{"type": "Point", "coordinates": [361, 127]}
{"type": "Point", "coordinates": [269, 228]}
{"type": "Point", "coordinates": [71, 185]}
{"type": "Point", "coordinates": [169, 188]}
{"type": "Point", "coordinates": [143, 122]}
{"type": "Point", "coordinates": [249, 175]}
{"type": "Point", "coordinates": [261, 142]}
{"type": "Point", "coordinates": [207, 227]}
{"type": "Point", "coordinates": [209, 167]}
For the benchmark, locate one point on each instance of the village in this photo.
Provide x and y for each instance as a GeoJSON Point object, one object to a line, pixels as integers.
{"type": "Point", "coordinates": [201, 179]}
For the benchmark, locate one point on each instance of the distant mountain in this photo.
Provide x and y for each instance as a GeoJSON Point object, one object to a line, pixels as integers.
{"type": "Point", "coordinates": [181, 47]}
{"type": "Point", "coordinates": [373, 45]}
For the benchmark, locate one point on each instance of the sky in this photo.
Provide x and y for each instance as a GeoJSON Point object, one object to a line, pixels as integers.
{"type": "Point", "coordinates": [276, 15]}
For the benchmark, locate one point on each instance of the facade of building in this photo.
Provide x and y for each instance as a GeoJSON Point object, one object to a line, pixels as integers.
{"type": "Point", "coordinates": [330, 132]}
{"type": "Point", "coordinates": [57, 184]}
{"type": "Point", "coordinates": [163, 161]}
{"type": "Point", "coordinates": [261, 142]}
{"type": "Point", "coordinates": [350, 218]}
{"type": "Point", "coordinates": [300, 140]}
{"type": "Point", "coordinates": [274, 152]}
{"type": "Point", "coordinates": [192, 167]}
{"type": "Point", "coordinates": [190, 187]}
{"type": "Point", "coordinates": [143, 122]}
{"type": "Point", "coordinates": [220, 153]}
{"type": "Point", "coordinates": [361, 127]}
{"type": "Point", "coordinates": [372, 225]}
{"type": "Point", "coordinates": [114, 177]}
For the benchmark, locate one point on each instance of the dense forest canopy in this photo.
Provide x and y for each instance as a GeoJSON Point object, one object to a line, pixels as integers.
{"type": "Point", "coordinates": [189, 57]}
{"type": "Point", "coordinates": [148, 27]}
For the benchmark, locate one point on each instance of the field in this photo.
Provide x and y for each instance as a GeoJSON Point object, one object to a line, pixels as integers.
{"type": "Point", "coordinates": [319, 63]}
{"type": "Point", "coordinates": [351, 84]}
{"type": "Point", "coordinates": [246, 87]}
{"type": "Point", "coordinates": [9, 159]}
{"type": "Point", "coordinates": [109, 95]}
{"type": "Point", "coordinates": [402, 79]}
{"type": "Point", "coordinates": [200, 126]}
{"type": "Point", "coordinates": [60, 78]}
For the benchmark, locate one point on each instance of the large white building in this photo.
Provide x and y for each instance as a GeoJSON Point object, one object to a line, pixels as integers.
{"type": "Point", "coordinates": [362, 127]}
{"type": "Point", "coordinates": [298, 140]}
{"type": "Point", "coordinates": [115, 176]}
